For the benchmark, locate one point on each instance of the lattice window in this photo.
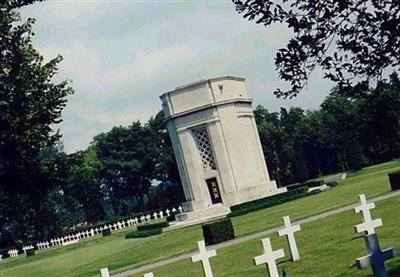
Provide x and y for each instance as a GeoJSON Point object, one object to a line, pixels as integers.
{"type": "Point", "coordinates": [204, 147]}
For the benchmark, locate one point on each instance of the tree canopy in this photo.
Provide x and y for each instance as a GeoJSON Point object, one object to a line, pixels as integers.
{"type": "Point", "coordinates": [350, 41]}
{"type": "Point", "coordinates": [30, 107]}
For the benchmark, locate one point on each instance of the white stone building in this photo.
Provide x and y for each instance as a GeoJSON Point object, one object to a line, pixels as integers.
{"type": "Point", "coordinates": [217, 147]}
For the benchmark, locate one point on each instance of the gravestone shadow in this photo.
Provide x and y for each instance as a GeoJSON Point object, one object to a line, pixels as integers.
{"type": "Point", "coordinates": [394, 272]}
{"type": "Point", "coordinates": [283, 261]}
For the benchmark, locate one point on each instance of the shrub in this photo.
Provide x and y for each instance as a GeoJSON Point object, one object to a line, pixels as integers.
{"type": "Point", "coordinates": [332, 184]}
{"type": "Point", "coordinates": [294, 186]}
{"type": "Point", "coordinates": [30, 252]}
{"type": "Point", "coordinates": [315, 191]}
{"type": "Point", "coordinates": [313, 184]}
{"type": "Point", "coordinates": [171, 218]}
{"type": "Point", "coordinates": [152, 226]}
{"type": "Point", "coordinates": [106, 232]}
{"type": "Point", "coordinates": [267, 202]}
{"type": "Point", "coordinates": [143, 234]}
{"type": "Point", "coordinates": [394, 179]}
{"type": "Point", "coordinates": [218, 231]}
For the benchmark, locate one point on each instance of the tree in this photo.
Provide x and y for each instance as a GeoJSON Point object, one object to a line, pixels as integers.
{"type": "Point", "coordinates": [127, 160]}
{"type": "Point", "coordinates": [350, 40]}
{"type": "Point", "coordinates": [83, 183]}
{"type": "Point", "coordinates": [30, 107]}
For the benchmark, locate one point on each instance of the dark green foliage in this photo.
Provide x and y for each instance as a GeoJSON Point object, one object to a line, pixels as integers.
{"type": "Point", "coordinates": [218, 231]}
{"type": "Point", "coordinates": [268, 201]}
{"type": "Point", "coordinates": [348, 40]}
{"type": "Point", "coordinates": [143, 234]}
{"type": "Point", "coordinates": [30, 252]}
{"type": "Point", "coordinates": [313, 184]}
{"type": "Point", "coordinates": [315, 191]}
{"type": "Point", "coordinates": [171, 218]}
{"type": "Point", "coordinates": [394, 179]}
{"type": "Point", "coordinates": [309, 184]}
{"type": "Point", "coordinates": [106, 232]}
{"type": "Point", "coordinates": [31, 104]}
{"type": "Point", "coordinates": [332, 184]}
{"type": "Point", "coordinates": [152, 226]}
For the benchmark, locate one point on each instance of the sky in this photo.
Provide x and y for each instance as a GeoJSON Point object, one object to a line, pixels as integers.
{"type": "Point", "coordinates": [121, 55]}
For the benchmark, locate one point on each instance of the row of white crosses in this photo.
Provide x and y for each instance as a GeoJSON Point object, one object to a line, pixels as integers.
{"type": "Point", "coordinates": [113, 227]}
{"type": "Point", "coordinates": [376, 257]}
{"type": "Point", "coordinates": [66, 240]}
{"type": "Point", "coordinates": [43, 245]}
{"type": "Point", "coordinates": [269, 257]}
{"type": "Point", "coordinates": [27, 247]}
{"type": "Point", "coordinates": [13, 253]}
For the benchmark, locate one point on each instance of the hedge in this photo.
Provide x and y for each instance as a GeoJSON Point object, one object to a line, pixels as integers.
{"type": "Point", "coordinates": [332, 184]}
{"type": "Point", "coordinates": [30, 252]}
{"type": "Point", "coordinates": [143, 234]}
{"type": "Point", "coordinates": [394, 179]}
{"type": "Point", "coordinates": [218, 231]}
{"type": "Point", "coordinates": [309, 184]}
{"type": "Point", "coordinates": [106, 232]}
{"type": "Point", "coordinates": [313, 184]}
{"type": "Point", "coordinates": [267, 202]}
{"type": "Point", "coordinates": [315, 191]}
{"type": "Point", "coordinates": [152, 226]}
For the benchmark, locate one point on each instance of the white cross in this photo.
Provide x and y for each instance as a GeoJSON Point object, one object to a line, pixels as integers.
{"type": "Point", "coordinates": [269, 257]}
{"type": "Point", "coordinates": [148, 274]}
{"type": "Point", "coordinates": [376, 257]}
{"type": "Point", "coordinates": [204, 257]}
{"type": "Point", "coordinates": [104, 272]}
{"type": "Point", "coordinates": [289, 231]}
{"type": "Point", "coordinates": [368, 226]}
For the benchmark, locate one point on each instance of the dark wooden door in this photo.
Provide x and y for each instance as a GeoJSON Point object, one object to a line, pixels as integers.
{"type": "Point", "coordinates": [213, 189]}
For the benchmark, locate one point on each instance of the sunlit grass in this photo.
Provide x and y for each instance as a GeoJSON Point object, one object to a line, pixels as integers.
{"type": "Point", "coordinates": [86, 258]}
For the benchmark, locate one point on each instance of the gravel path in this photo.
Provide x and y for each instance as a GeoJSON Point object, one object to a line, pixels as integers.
{"type": "Point", "coordinates": [151, 266]}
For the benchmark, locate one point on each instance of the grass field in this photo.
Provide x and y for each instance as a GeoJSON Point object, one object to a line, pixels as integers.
{"type": "Point", "coordinates": [328, 247]}
{"type": "Point", "coordinates": [119, 254]}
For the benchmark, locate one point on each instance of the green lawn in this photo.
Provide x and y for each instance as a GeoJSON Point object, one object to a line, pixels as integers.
{"type": "Point", "coordinates": [328, 247]}
{"type": "Point", "coordinates": [118, 254]}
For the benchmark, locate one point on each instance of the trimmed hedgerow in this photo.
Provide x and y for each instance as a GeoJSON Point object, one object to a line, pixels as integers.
{"type": "Point", "coordinates": [171, 218]}
{"type": "Point", "coordinates": [332, 184]}
{"type": "Point", "coordinates": [267, 202]}
{"type": "Point", "coordinates": [315, 191]}
{"type": "Point", "coordinates": [394, 179]}
{"type": "Point", "coordinates": [218, 231]}
{"type": "Point", "coordinates": [30, 252]}
{"type": "Point", "coordinates": [106, 232]}
{"type": "Point", "coordinates": [143, 234]}
{"type": "Point", "coordinates": [309, 184]}
{"type": "Point", "coordinates": [157, 225]}
{"type": "Point", "coordinates": [313, 184]}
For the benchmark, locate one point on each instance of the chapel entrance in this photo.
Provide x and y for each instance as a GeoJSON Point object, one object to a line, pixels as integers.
{"type": "Point", "coordinates": [213, 189]}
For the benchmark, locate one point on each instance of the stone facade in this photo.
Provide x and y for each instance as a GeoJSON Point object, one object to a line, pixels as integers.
{"type": "Point", "coordinates": [216, 145]}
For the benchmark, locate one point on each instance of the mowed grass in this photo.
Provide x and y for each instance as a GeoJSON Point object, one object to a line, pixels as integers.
{"type": "Point", "coordinates": [119, 254]}
{"type": "Point", "coordinates": [328, 247]}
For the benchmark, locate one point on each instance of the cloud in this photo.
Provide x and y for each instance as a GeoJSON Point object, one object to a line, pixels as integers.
{"type": "Point", "coordinates": [70, 10]}
{"type": "Point", "coordinates": [121, 55]}
{"type": "Point", "coordinates": [145, 65]}
{"type": "Point", "coordinates": [80, 62]}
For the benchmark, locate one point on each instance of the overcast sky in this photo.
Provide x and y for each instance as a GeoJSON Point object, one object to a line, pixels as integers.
{"type": "Point", "coordinates": [121, 55]}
